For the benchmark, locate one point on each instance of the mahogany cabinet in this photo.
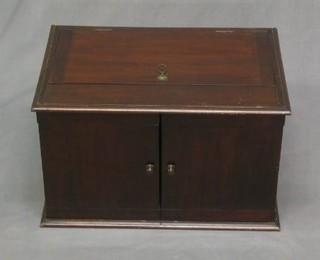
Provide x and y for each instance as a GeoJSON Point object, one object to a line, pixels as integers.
{"type": "Point", "coordinates": [161, 127]}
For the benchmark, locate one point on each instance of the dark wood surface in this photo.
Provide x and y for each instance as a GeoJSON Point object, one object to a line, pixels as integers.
{"type": "Point", "coordinates": [104, 115]}
{"type": "Point", "coordinates": [94, 165]}
{"type": "Point", "coordinates": [101, 68]}
{"type": "Point", "coordinates": [225, 163]}
{"type": "Point", "coordinates": [193, 57]}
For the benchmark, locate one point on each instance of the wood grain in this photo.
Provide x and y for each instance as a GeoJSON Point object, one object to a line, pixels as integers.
{"type": "Point", "coordinates": [222, 162]}
{"type": "Point", "coordinates": [95, 163]}
{"type": "Point", "coordinates": [217, 121]}
{"type": "Point", "coordinates": [102, 68]}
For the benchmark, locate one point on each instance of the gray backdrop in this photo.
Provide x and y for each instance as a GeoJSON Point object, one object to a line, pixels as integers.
{"type": "Point", "coordinates": [24, 28]}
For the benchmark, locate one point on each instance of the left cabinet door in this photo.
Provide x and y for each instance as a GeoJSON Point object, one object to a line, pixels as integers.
{"type": "Point", "coordinates": [100, 165]}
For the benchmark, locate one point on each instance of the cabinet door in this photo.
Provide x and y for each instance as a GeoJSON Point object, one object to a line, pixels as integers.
{"type": "Point", "coordinates": [220, 168]}
{"type": "Point", "coordinates": [100, 165]}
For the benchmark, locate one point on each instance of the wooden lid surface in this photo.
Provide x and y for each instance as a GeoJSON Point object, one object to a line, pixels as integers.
{"type": "Point", "coordinates": [180, 70]}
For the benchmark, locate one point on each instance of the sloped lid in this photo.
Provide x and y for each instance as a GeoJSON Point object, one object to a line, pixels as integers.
{"type": "Point", "coordinates": [203, 70]}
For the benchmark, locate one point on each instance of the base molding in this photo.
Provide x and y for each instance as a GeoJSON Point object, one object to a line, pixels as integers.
{"type": "Point", "coordinates": [102, 223]}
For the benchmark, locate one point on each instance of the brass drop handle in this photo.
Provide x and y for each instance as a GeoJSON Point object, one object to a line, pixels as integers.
{"type": "Point", "coordinates": [149, 169]}
{"type": "Point", "coordinates": [171, 169]}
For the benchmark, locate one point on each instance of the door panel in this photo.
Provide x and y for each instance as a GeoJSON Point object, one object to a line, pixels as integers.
{"type": "Point", "coordinates": [225, 167]}
{"type": "Point", "coordinates": [94, 165]}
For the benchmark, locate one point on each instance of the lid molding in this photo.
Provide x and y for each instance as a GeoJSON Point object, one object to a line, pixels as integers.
{"type": "Point", "coordinates": [218, 71]}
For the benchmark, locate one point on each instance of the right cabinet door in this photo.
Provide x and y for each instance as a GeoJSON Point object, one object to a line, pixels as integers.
{"type": "Point", "coordinates": [220, 168]}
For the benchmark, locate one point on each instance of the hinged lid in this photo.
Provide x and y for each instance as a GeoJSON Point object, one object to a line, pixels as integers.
{"type": "Point", "coordinates": [205, 70]}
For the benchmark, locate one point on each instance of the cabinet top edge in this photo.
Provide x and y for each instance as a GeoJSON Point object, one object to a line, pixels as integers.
{"type": "Point", "coordinates": [213, 111]}
{"type": "Point", "coordinates": [93, 27]}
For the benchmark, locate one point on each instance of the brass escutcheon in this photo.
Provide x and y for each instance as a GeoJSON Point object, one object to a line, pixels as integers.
{"type": "Point", "coordinates": [162, 69]}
